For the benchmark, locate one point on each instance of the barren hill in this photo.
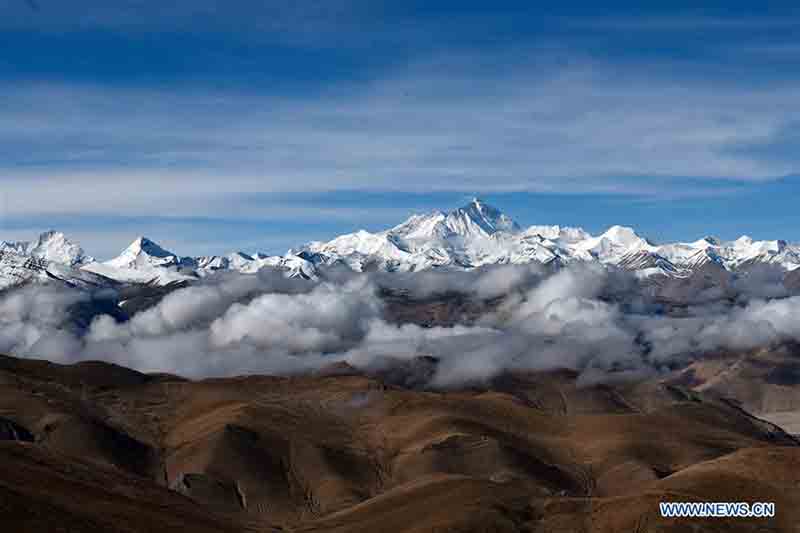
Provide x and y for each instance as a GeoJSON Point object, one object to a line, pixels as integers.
{"type": "Point", "coordinates": [95, 446]}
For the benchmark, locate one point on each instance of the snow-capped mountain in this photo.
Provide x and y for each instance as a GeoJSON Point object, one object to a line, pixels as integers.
{"type": "Point", "coordinates": [51, 257]}
{"type": "Point", "coordinates": [468, 237]}
{"type": "Point", "coordinates": [478, 234]}
{"type": "Point", "coordinates": [144, 253]}
{"type": "Point", "coordinates": [292, 265]}
{"type": "Point", "coordinates": [236, 261]}
{"type": "Point", "coordinates": [17, 269]}
{"type": "Point", "coordinates": [471, 236]}
{"type": "Point", "coordinates": [51, 246]}
{"type": "Point", "coordinates": [144, 261]}
{"type": "Point", "coordinates": [733, 255]}
{"type": "Point", "coordinates": [613, 245]}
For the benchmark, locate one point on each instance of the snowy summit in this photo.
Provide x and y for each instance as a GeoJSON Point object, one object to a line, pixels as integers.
{"type": "Point", "coordinates": [474, 235]}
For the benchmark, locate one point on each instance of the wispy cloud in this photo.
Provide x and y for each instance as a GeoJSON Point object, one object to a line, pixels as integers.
{"type": "Point", "coordinates": [579, 128]}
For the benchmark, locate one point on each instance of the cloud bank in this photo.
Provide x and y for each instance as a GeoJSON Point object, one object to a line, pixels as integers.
{"type": "Point", "coordinates": [579, 318]}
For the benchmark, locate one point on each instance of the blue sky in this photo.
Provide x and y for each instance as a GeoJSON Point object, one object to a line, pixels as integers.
{"type": "Point", "coordinates": [212, 126]}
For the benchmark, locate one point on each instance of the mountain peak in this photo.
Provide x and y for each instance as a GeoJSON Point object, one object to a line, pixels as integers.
{"type": "Point", "coordinates": [622, 234]}
{"type": "Point", "coordinates": [479, 218]}
{"type": "Point", "coordinates": [55, 247]}
{"type": "Point", "coordinates": [476, 202]}
{"type": "Point", "coordinates": [50, 235]}
{"type": "Point", "coordinates": [477, 205]}
{"type": "Point", "coordinates": [143, 251]}
{"type": "Point", "coordinates": [144, 245]}
{"type": "Point", "coordinates": [613, 244]}
{"type": "Point", "coordinates": [475, 219]}
{"type": "Point", "coordinates": [708, 240]}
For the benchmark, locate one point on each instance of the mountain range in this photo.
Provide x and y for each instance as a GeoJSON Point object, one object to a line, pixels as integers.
{"type": "Point", "coordinates": [472, 236]}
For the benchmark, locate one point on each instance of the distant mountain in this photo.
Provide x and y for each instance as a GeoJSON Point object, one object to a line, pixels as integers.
{"type": "Point", "coordinates": [478, 234]}
{"type": "Point", "coordinates": [52, 257]}
{"type": "Point", "coordinates": [51, 246]}
{"type": "Point", "coordinates": [471, 236]}
{"type": "Point", "coordinates": [144, 261]}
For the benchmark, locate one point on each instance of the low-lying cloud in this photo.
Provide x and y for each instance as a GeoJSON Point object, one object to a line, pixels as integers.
{"type": "Point", "coordinates": [582, 318]}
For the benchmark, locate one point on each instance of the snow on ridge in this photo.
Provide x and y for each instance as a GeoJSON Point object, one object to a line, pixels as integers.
{"type": "Point", "coordinates": [471, 236]}
{"type": "Point", "coordinates": [478, 234]}
{"type": "Point", "coordinates": [52, 246]}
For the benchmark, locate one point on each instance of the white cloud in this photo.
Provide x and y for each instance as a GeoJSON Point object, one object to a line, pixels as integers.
{"type": "Point", "coordinates": [266, 323]}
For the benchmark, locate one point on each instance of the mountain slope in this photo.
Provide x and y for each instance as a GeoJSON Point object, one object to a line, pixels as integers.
{"type": "Point", "coordinates": [18, 269]}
